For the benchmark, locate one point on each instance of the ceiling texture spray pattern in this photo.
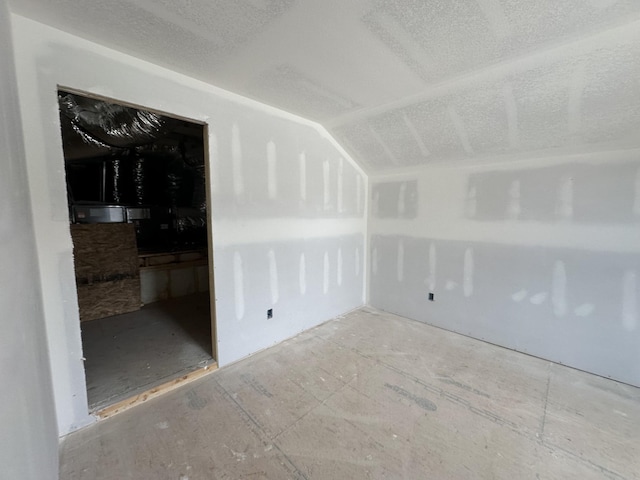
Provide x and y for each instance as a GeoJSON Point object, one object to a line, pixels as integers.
{"type": "Point", "coordinates": [399, 82]}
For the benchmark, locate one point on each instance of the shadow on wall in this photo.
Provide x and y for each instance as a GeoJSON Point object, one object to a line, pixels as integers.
{"type": "Point", "coordinates": [395, 199]}
{"type": "Point", "coordinates": [579, 193]}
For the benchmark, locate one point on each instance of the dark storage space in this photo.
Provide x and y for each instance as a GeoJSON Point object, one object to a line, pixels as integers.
{"type": "Point", "coordinates": [136, 187]}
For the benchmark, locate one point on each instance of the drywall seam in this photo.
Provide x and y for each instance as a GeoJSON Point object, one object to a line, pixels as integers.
{"type": "Point", "coordinates": [423, 62]}
{"type": "Point", "coordinates": [626, 33]}
{"type": "Point", "coordinates": [416, 136]}
{"type": "Point", "coordinates": [364, 195]}
{"type": "Point", "coordinates": [385, 148]}
{"type": "Point", "coordinates": [366, 254]}
{"type": "Point", "coordinates": [556, 235]}
{"type": "Point", "coordinates": [512, 115]}
{"type": "Point", "coordinates": [508, 162]}
{"type": "Point", "coordinates": [460, 130]}
{"type": "Point", "coordinates": [325, 133]}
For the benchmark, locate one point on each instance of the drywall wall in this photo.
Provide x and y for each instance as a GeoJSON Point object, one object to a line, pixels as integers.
{"type": "Point", "coordinates": [288, 204]}
{"type": "Point", "coordinates": [509, 188]}
{"type": "Point", "coordinates": [28, 437]}
{"type": "Point", "coordinates": [539, 255]}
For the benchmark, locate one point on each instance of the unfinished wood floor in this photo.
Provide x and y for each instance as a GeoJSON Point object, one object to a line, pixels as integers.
{"type": "Point", "coordinates": [373, 395]}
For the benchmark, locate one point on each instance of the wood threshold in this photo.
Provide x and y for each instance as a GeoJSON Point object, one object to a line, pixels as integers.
{"type": "Point", "coordinates": [154, 392]}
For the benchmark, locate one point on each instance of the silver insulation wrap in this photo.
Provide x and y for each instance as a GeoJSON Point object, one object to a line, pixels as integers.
{"type": "Point", "coordinates": [121, 156]}
{"type": "Point", "coordinates": [110, 124]}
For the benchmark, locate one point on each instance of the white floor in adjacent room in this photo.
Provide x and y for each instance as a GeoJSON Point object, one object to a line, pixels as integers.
{"type": "Point", "coordinates": [373, 395]}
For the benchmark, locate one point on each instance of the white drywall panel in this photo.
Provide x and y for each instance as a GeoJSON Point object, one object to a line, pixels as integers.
{"type": "Point", "coordinates": [28, 436]}
{"type": "Point", "coordinates": [541, 256]}
{"type": "Point", "coordinates": [288, 204]}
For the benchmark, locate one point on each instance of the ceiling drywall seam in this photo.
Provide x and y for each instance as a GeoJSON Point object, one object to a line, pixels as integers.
{"type": "Point", "coordinates": [625, 33]}
{"type": "Point", "coordinates": [512, 115]}
{"type": "Point", "coordinates": [524, 234]}
{"type": "Point", "coordinates": [426, 153]}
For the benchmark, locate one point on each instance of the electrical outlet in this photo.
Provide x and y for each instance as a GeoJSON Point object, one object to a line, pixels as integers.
{"type": "Point", "coordinates": [432, 296]}
{"type": "Point", "coordinates": [269, 313]}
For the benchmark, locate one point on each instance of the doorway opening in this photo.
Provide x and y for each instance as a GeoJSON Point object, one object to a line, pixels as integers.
{"type": "Point", "coordinates": [137, 187]}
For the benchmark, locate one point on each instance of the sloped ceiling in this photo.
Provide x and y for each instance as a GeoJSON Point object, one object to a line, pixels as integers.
{"type": "Point", "coordinates": [399, 82]}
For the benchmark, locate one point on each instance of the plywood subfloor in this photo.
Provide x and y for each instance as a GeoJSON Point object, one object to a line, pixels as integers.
{"type": "Point", "coordinates": [130, 353]}
{"type": "Point", "coordinates": [368, 396]}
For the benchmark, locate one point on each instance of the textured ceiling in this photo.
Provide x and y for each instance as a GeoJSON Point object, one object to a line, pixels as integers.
{"type": "Point", "coordinates": [399, 82]}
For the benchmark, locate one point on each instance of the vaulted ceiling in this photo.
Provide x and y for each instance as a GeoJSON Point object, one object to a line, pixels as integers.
{"type": "Point", "coordinates": [399, 82]}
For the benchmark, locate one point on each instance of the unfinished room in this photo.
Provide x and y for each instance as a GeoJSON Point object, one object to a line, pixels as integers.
{"type": "Point", "coordinates": [310, 239]}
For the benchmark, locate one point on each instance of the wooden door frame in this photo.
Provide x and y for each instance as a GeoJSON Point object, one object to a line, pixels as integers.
{"type": "Point", "coordinates": [210, 266]}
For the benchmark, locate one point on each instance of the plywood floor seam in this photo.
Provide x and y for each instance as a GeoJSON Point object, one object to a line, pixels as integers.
{"type": "Point", "coordinates": [373, 395]}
